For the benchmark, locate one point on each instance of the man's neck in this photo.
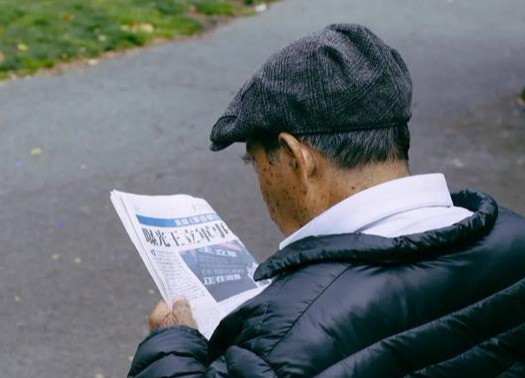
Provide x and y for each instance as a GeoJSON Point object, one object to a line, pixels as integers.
{"type": "Point", "coordinates": [336, 184]}
{"type": "Point", "coordinates": [343, 183]}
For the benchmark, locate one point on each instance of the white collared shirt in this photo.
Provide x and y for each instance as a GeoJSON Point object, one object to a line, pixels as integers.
{"type": "Point", "coordinates": [403, 206]}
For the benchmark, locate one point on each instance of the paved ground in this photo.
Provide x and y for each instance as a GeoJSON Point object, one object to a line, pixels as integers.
{"type": "Point", "coordinates": [74, 294]}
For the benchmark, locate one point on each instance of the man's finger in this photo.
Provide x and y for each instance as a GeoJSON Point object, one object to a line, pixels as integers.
{"type": "Point", "coordinates": [160, 311]}
{"type": "Point", "coordinates": [181, 302]}
{"type": "Point", "coordinates": [163, 316]}
{"type": "Point", "coordinates": [182, 312]}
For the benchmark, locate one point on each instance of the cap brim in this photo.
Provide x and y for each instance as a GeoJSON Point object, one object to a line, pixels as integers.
{"type": "Point", "coordinates": [219, 146]}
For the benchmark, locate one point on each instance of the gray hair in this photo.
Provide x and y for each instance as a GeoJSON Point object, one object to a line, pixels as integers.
{"type": "Point", "coordinates": [353, 149]}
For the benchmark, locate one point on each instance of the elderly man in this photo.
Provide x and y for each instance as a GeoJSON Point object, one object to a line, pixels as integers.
{"type": "Point", "coordinates": [381, 274]}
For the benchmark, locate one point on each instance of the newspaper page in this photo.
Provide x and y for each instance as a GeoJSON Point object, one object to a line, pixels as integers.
{"type": "Point", "coordinates": [189, 250]}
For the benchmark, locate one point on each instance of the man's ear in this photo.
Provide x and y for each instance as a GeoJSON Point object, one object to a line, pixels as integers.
{"type": "Point", "coordinates": [301, 156]}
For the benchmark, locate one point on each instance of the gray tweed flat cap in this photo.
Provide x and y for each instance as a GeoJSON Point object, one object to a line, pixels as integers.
{"type": "Point", "coordinates": [342, 78]}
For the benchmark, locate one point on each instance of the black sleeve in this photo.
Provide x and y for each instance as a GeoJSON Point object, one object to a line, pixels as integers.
{"type": "Point", "coordinates": [183, 352]}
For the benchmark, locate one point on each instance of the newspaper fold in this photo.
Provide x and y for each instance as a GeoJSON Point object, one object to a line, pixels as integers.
{"type": "Point", "coordinates": [189, 250]}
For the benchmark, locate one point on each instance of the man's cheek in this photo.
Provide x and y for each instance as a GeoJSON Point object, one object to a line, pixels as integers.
{"type": "Point", "coordinates": [273, 204]}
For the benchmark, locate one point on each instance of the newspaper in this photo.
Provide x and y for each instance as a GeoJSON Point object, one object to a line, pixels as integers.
{"type": "Point", "coordinates": [189, 250]}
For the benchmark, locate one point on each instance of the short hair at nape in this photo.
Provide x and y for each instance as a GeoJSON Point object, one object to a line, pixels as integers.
{"type": "Point", "coordinates": [354, 149]}
{"type": "Point", "coordinates": [350, 149]}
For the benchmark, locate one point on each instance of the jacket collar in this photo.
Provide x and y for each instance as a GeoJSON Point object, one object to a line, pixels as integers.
{"type": "Point", "coordinates": [364, 249]}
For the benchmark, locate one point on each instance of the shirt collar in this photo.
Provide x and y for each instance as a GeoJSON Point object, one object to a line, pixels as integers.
{"type": "Point", "coordinates": [356, 212]}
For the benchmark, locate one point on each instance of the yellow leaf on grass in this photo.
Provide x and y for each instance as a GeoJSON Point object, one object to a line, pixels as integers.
{"type": "Point", "coordinates": [2, 57]}
{"type": "Point", "coordinates": [147, 28]}
{"type": "Point", "coordinates": [22, 47]}
{"type": "Point", "coordinates": [68, 17]}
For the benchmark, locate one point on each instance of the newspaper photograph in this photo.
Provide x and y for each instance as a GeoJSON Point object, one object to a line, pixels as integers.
{"type": "Point", "coordinates": [224, 269]}
{"type": "Point", "coordinates": [189, 250]}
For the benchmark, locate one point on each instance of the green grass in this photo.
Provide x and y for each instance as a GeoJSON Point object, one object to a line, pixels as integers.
{"type": "Point", "coordinates": [37, 34]}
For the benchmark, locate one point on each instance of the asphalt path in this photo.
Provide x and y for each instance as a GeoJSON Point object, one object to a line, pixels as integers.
{"type": "Point", "coordinates": [74, 293]}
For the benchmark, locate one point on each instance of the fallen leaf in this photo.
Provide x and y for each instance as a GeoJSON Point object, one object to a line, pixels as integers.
{"type": "Point", "coordinates": [2, 57]}
{"type": "Point", "coordinates": [192, 9]}
{"type": "Point", "coordinates": [147, 28]}
{"type": "Point", "coordinates": [36, 151]}
{"type": "Point", "coordinates": [55, 256]}
{"type": "Point", "coordinates": [68, 17]}
{"type": "Point", "coordinates": [98, 375]}
{"type": "Point", "coordinates": [92, 62]}
{"type": "Point", "coordinates": [22, 47]}
{"type": "Point", "coordinates": [458, 163]}
{"type": "Point", "coordinates": [259, 8]}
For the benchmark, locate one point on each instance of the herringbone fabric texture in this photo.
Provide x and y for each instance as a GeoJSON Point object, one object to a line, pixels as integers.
{"type": "Point", "coordinates": [341, 78]}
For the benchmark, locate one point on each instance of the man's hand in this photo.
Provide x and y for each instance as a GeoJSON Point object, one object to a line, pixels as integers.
{"type": "Point", "coordinates": [180, 314]}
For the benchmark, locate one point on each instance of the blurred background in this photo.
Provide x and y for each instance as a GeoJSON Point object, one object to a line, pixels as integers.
{"type": "Point", "coordinates": [98, 95]}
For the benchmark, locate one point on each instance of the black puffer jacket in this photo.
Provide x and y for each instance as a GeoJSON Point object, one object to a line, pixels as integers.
{"type": "Point", "coordinates": [445, 303]}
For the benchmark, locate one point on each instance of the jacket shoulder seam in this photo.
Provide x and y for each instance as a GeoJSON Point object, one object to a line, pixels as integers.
{"type": "Point", "coordinates": [266, 307]}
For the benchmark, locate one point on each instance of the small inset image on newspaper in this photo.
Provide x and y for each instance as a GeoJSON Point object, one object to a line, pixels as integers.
{"type": "Point", "coordinates": [224, 269]}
